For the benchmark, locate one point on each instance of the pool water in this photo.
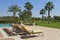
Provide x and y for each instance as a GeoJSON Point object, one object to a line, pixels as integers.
{"type": "Point", "coordinates": [5, 25]}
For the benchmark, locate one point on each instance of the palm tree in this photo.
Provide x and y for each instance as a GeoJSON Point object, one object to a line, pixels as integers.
{"type": "Point", "coordinates": [42, 12]}
{"type": "Point", "coordinates": [14, 9]}
{"type": "Point", "coordinates": [49, 6]}
{"type": "Point", "coordinates": [28, 6]}
{"type": "Point", "coordinates": [25, 14]}
{"type": "Point", "coordinates": [20, 14]}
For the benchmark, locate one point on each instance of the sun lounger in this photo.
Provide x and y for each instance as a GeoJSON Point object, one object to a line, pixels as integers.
{"type": "Point", "coordinates": [10, 33]}
{"type": "Point", "coordinates": [17, 29]}
{"type": "Point", "coordinates": [18, 26]}
{"type": "Point", "coordinates": [29, 31]}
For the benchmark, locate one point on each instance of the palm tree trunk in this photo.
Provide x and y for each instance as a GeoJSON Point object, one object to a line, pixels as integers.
{"type": "Point", "coordinates": [42, 17]}
{"type": "Point", "coordinates": [48, 16]}
{"type": "Point", "coordinates": [14, 15]}
{"type": "Point", "coordinates": [29, 19]}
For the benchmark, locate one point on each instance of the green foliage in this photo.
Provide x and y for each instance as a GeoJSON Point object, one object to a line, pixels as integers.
{"type": "Point", "coordinates": [8, 19]}
{"type": "Point", "coordinates": [49, 6]}
{"type": "Point", "coordinates": [14, 9]}
{"type": "Point", "coordinates": [26, 16]}
{"type": "Point", "coordinates": [42, 12]}
{"type": "Point", "coordinates": [28, 6]}
{"type": "Point", "coordinates": [36, 18]}
{"type": "Point", "coordinates": [20, 15]}
{"type": "Point", "coordinates": [57, 18]}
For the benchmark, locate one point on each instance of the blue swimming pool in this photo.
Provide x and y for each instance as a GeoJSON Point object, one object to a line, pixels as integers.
{"type": "Point", "coordinates": [5, 25]}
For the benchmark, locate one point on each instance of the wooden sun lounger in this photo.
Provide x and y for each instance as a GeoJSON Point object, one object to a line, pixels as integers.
{"type": "Point", "coordinates": [29, 31]}
{"type": "Point", "coordinates": [17, 27]}
{"type": "Point", "coordinates": [10, 33]}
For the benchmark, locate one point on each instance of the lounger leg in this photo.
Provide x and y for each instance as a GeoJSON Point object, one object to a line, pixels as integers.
{"type": "Point", "coordinates": [42, 34]}
{"type": "Point", "coordinates": [33, 34]}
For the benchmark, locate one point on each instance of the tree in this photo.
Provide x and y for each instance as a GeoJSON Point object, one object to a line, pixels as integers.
{"type": "Point", "coordinates": [42, 12]}
{"type": "Point", "coordinates": [57, 18]}
{"type": "Point", "coordinates": [14, 9]}
{"type": "Point", "coordinates": [49, 6]}
{"type": "Point", "coordinates": [28, 7]}
{"type": "Point", "coordinates": [20, 14]}
{"type": "Point", "coordinates": [25, 16]}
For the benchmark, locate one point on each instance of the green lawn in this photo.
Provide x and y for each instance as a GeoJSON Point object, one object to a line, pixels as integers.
{"type": "Point", "coordinates": [45, 23]}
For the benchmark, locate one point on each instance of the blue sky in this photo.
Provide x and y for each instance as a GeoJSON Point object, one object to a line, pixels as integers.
{"type": "Point", "coordinates": [38, 5]}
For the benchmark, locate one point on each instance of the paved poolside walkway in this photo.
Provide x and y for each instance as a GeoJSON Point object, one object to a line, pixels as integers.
{"type": "Point", "coordinates": [49, 33]}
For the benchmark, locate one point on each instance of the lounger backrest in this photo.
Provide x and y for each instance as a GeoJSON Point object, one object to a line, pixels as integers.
{"type": "Point", "coordinates": [18, 26]}
{"type": "Point", "coordinates": [27, 29]}
{"type": "Point", "coordinates": [8, 31]}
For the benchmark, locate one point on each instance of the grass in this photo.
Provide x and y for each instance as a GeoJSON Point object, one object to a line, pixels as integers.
{"type": "Point", "coordinates": [45, 23]}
